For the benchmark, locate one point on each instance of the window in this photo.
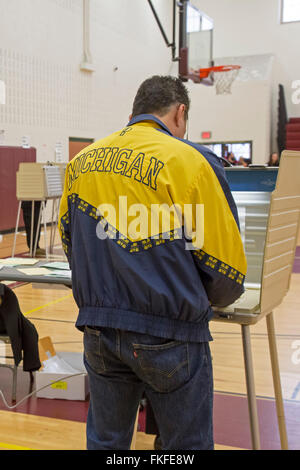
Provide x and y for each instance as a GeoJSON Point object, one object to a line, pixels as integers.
{"type": "Point", "coordinates": [198, 21]}
{"type": "Point", "coordinates": [242, 149]}
{"type": "Point", "coordinates": [290, 11]}
{"type": "Point", "coordinates": [216, 148]}
{"type": "Point", "coordinates": [239, 149]}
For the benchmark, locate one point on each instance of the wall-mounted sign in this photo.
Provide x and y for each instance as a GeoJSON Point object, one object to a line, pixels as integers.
{"type": "Point", "coordinates": [25, 142]}
{"type": "Point", "coordinates": [206, 135]}
{"type": "Point", "coordinates": [2, 136]}
{"type": "Point", "coordinates": [58, 152]}
{"type": "Point", "coordinates": [2, 92]}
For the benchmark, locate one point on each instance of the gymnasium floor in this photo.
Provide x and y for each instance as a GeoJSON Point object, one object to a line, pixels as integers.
{"type": "Point", "coordinates": [58, 424]}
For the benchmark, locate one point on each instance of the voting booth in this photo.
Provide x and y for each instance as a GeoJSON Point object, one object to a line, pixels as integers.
{"type": "Point", "coordinates": [40, 182]}
{"type": "Point", "coordinates": [268, 202]}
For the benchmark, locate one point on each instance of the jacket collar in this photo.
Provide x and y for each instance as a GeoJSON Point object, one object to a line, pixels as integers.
{"type": "Point", "coordinates": [149, 117]}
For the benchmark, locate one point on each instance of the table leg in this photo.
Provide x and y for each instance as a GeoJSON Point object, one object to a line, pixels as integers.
{"type": "Point", "coordinates": [133, 442]}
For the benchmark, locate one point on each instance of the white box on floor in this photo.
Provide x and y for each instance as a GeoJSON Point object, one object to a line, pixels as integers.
{"type": "Point", "coordinates": [74, 388]}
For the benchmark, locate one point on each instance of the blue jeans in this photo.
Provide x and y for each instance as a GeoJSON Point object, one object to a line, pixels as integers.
{"type": "Point", "coordinates": [175, 376]}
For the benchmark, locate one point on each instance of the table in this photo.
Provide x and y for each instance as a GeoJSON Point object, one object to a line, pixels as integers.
{"type": "Point", "coordinates": [12, 274]}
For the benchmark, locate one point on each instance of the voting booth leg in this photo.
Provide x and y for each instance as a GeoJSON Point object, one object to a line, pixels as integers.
{"type": "Point", "coordinates": [51, 230]}
{"type": "Point", "coordinates": [252, 405]}
{"type": "Point", "coordinates": [16, 229]}
{"type": "Point", "coordinates": [56, 219]}
{"type": "Point", "coordinates": [31, 229]}
{"type": "Point", "coordinates": [133, 442]}
{"type": "Point", "coordinates": [54, 223]}
{"type": "Point", "coordinates": [38, 230]}
{"type": "Point", "coordinates": [276, 381]}
{"type": "Point", "coordinates": [45, 229]}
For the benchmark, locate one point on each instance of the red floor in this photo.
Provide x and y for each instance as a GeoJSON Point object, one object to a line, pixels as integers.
{"type": "Point", "coordinates": [231, 421]}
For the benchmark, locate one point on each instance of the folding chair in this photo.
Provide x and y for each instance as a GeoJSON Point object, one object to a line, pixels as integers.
{"type": "Point", "coordinates": [4, 339]}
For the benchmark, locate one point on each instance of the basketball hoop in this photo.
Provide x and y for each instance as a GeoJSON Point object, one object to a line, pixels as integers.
{"type": "Point", "coordinates": [222, 76]}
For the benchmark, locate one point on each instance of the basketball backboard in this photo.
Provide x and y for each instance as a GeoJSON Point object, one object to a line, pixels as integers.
{"type": "Point", "coordinates": [195, 39]}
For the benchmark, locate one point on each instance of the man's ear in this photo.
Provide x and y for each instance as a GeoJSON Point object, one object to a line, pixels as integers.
{"type": "Point", "coordinates": [130, 117]}
{"type": "Point", "coordinates": [180, 114]}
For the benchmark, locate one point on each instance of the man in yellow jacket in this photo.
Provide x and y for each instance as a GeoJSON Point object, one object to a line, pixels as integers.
{"type": "Point", "coordinates": [151, 233]}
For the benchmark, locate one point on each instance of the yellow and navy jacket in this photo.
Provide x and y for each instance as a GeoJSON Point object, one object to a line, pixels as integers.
{"type": "Point", "coordinates": [150, 282]}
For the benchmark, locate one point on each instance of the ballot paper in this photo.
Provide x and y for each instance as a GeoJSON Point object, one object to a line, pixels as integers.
{"type": "Point", "coordinates": [34, 271]}
{"type": "Point", "coordinates": [56, 265]}
{"type": "Point", "coordinates": [18, 261]}
{"type": "Point", "coordinates": [45, 272]}
{"type": "Point", "coordinates": [59, 273]}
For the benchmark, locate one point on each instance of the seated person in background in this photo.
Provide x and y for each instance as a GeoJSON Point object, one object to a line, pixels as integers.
{"type": "Point", "coordinates": [231, 158]}
{"type": "Point", "coordinates": [27, 212]}
{"type": "Point", "coordinates": [274, 159]}
{"type": "Point", "coordinates": [242, 162]}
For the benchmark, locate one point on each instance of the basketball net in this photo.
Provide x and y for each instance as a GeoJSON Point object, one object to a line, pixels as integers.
{"type": "Point", "coordinates": [221, 76]}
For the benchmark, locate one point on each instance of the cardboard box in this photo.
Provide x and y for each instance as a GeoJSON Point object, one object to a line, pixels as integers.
{"type": "Point", "coordinates": [75, 388]}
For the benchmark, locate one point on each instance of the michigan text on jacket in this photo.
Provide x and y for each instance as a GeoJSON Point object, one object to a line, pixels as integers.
{"type": "Point", "coordinates": [117, 160]}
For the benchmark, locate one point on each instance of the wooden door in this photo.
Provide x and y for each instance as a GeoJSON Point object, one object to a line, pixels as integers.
{"type": "Point", "coordinates": [76, 144]}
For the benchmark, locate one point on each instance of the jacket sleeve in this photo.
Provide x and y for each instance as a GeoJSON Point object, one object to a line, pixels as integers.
{"type": "Point", "coordinates": [216, 247]}
{"type": "Point", "coordinates": [64, 222]}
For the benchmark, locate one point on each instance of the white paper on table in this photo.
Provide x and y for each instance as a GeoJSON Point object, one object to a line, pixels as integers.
{"type": "Point", "coordinates": [18, 261]}
{"type": "Point", "coordinates": [34, 271]}
{"type": "Point", "coordinates": [56, 265]}
{"type": "Point", "coordinates": [59, 273]}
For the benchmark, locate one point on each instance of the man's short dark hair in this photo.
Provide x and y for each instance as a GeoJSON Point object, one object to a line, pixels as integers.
{"type": "Point", "coordinates": [158, 93]}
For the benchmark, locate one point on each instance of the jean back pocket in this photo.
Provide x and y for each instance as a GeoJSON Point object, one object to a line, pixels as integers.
{"type": "Point", "coordinates": [164, 367]}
